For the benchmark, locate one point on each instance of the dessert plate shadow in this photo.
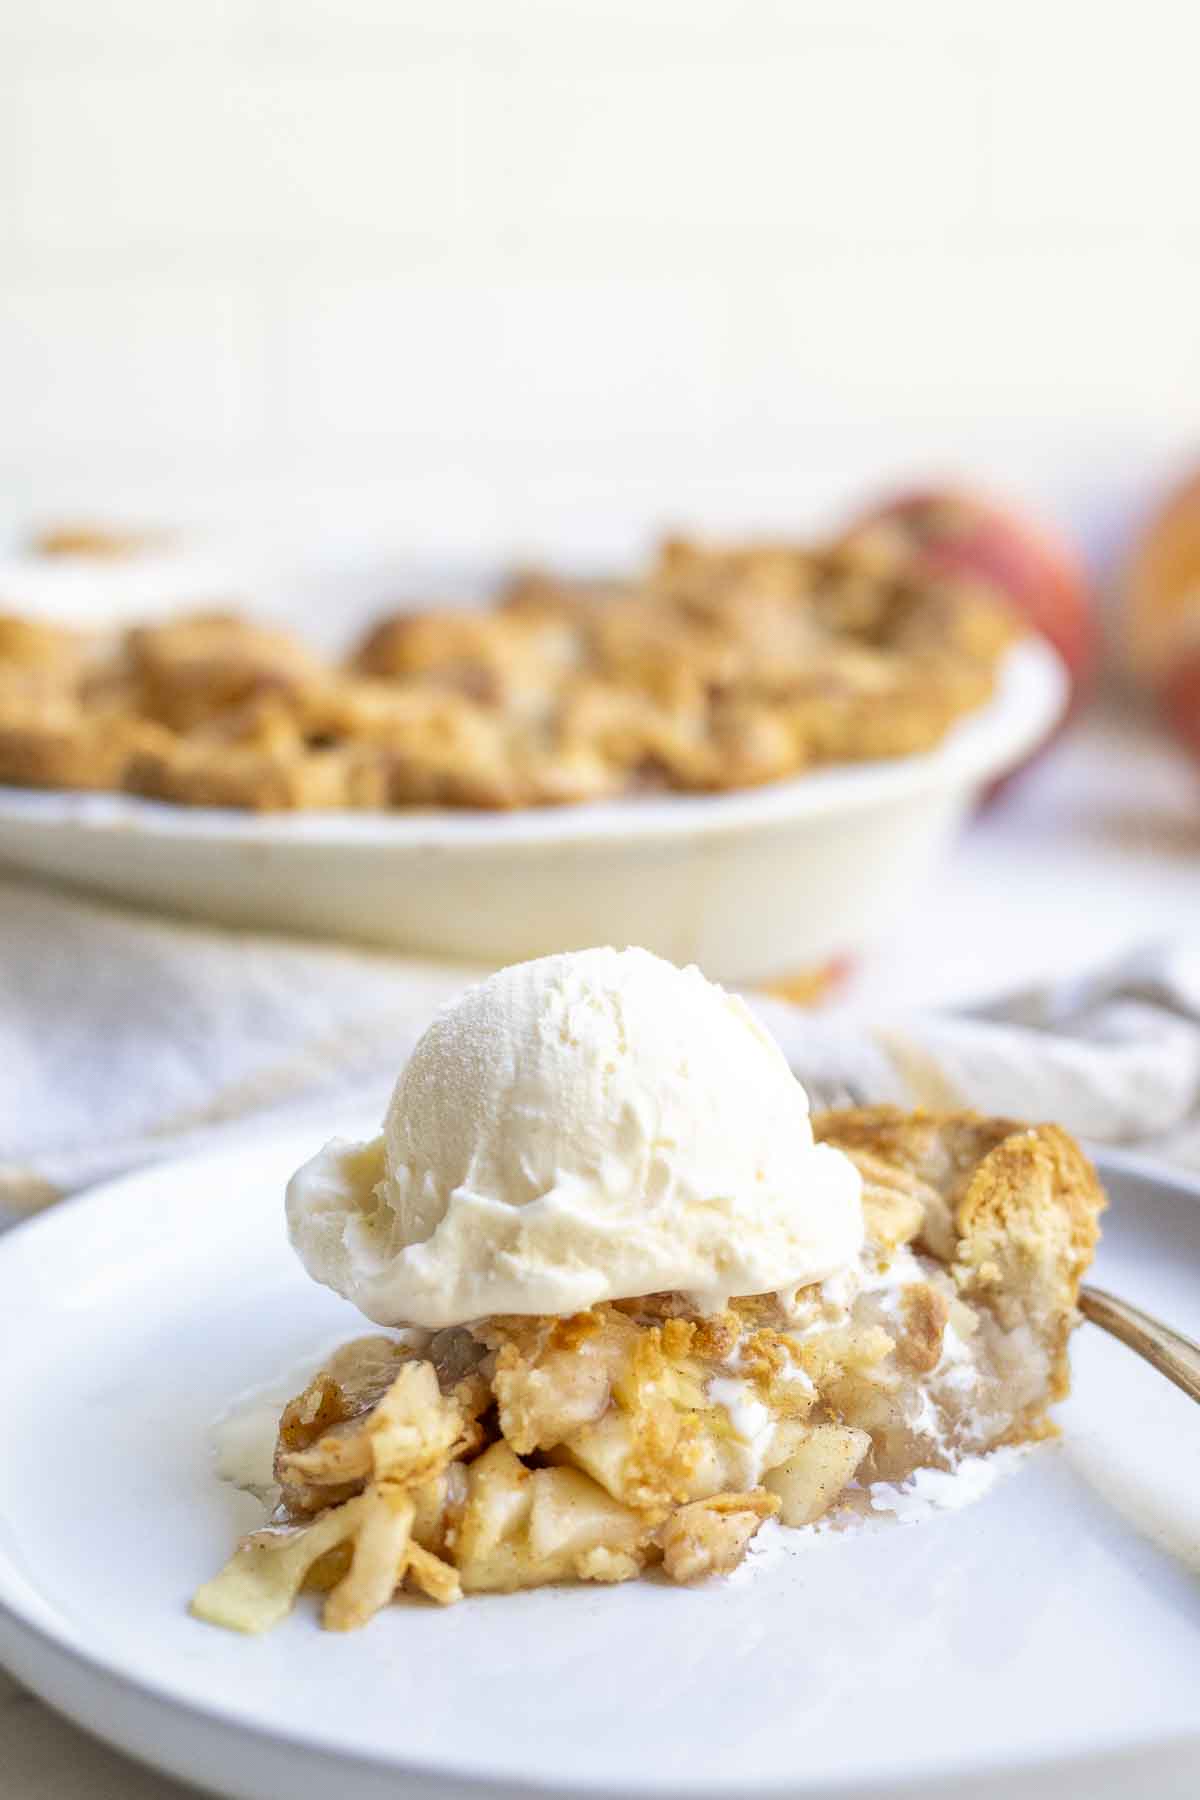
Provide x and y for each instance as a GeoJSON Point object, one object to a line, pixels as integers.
{"type": "Point", "coordinates": [1038, 1642]}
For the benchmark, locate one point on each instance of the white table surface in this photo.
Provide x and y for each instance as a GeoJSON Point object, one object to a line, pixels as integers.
{"type": "Point", "coordinates": [1093, 851]}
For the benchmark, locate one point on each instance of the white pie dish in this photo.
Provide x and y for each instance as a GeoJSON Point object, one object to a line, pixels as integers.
{"type": "Point", "coordinates": [765, 882]}
{"type": "Point", "coordinates": [1039, 1643]}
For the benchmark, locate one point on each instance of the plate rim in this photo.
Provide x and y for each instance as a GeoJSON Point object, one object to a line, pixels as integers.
{"type": "Point", "coordinates": [1029, 700]}
{"type": "Point", "coordinates": [96, 1670]}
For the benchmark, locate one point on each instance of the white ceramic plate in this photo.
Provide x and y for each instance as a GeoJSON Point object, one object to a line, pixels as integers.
{"type": "Point", "coordinates": [749, 885]}
{"type": "Point", "coordinates": [1041, 1642]}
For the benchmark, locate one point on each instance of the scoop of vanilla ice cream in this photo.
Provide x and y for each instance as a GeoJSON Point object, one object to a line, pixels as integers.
{"type": "Point", "coordinates": [586, 1127]}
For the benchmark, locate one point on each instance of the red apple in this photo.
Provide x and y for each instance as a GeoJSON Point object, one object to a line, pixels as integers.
{"type": "Point", "coordinates": [1162, 610]}
{"type": "Point", "coordinates": [954, 532]}
{"type": "Point", "coordinates": [1181, 699]}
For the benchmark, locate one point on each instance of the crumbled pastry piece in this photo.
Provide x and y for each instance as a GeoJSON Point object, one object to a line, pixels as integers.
{"type": "Point", "coordinates": [193, 669]}
{"type": "Point", "coordinates": [709, 1537]}
{"type": "Point", "coordinates": [1014, 1220]}
{"type": "Point", "coordinates": [327, 1443]}
{"type": "Point", "coordinates": [401, 1453]}
{"type": "Point", "coordinates": [1028, 1226]}
{"type": "Point", "coordinates": [192, 772]}
{"type": "Point", "coordinates": [556, 1386]}
{"type": "Point", "coordinates": [39, 644]}
{"type": "Point", "coordinates": [59, 749]}
{"type": "Point", "coordinates": [525, 1527]}
{"type": "Point", "coordinates": [92, 539]}
{"type": "Point", "coordinates": [808, 987]}
{"type": "Point", "coordinates": [925, 1156]}
{"type": "Point", "coordinates": [896, 1207]}
{"type": "Point", "coordinates": [715, 669]}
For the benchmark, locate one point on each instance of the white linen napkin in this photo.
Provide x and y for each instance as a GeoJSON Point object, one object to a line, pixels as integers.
{"type": "Point", "coordinates": [125, 1038]}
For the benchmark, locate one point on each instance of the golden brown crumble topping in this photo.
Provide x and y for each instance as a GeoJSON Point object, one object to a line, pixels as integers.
{"type": "Point", "coordinates": [713, 669]}
{"type": "Point", "coordinates": [91, 538]}
{"type": "Point", "coordinates": [521, 1451]}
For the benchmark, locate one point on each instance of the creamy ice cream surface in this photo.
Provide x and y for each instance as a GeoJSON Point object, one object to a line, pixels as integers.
{"type": "Point", "coordinates": [586, 1127]}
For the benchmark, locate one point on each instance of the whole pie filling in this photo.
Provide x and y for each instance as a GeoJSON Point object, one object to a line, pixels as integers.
{"type": "Point", "coordinates": [527, 1447]}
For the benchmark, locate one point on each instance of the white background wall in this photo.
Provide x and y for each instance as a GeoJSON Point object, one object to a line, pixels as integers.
{"type": "Point", "coordinates": [474, 275]}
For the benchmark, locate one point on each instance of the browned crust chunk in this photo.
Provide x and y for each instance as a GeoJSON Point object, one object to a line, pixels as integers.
{"type": "Point", "coordinates": [1021, 1204]}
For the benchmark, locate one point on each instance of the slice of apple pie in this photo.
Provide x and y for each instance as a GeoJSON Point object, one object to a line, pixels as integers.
{"type": "Point", "coordinates": [525, 1450]}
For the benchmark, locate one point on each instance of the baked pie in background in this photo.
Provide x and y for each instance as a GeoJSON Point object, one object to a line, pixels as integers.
{"type": "Point", "coordinates": [716, 668]}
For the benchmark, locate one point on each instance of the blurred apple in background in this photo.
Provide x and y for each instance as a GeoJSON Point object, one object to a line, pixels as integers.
{"type": "Point", "coordinates": [1162, 598]}
{"type": "Point", "coordinates": [956, 533]}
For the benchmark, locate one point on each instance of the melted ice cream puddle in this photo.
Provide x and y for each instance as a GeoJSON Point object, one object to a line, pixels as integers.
{"type": "Point", "coordinates": [242, 1438]}
{"type": "Point", "coordinates": [928, 1491]}
{"type": "Point", "coordinates": [751, 1422]}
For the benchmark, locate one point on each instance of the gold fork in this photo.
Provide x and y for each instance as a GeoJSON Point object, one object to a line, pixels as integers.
{"type": "Point", "coordinates": [1173, 1355]}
